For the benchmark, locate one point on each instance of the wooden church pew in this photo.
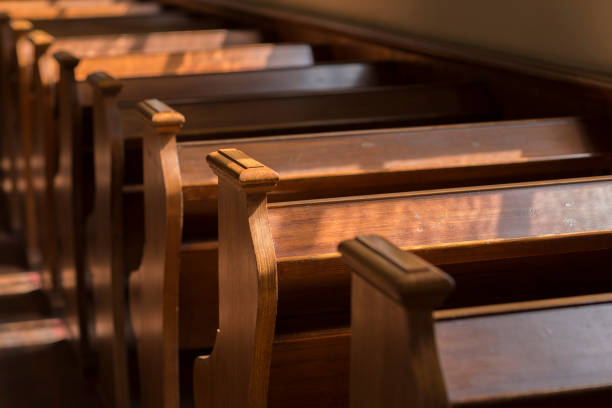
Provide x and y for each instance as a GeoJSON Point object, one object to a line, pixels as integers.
{"type": "Point", "coordinates": [280, 262]}
{"type": "Point", "coordinates": [547, 353]}
{"type": "Point", "coordinates": [349, 170]}
{"type": "Point", "coordinates": [434, 97]}
{"type": "Point", "coordinates": [74, 196]}
{"type": "Point", "coordinates": [75, 128]}
{"type": "Point", "coordinates": [12, 30]}
{"type": "Point", "coordinates": [234, 58]}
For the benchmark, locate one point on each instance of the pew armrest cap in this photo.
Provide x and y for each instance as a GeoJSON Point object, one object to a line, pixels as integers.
{"type": "Point", "coordinates": [41, 40]}
{"type": "Point", "coordinates": [162, 117]}
{"type": "Point", "coordinates": [104, 83]}
{"type": "Point", "coordinates": [66, 59]}
{"type": "Point", "coordinates": [401, 275]}
{"type": "Point", "coordinates": [20, 27]}
{"type": "Point", "coordinates": [246, 172]}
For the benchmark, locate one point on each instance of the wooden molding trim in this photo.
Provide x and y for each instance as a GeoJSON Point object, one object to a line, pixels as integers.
{"type": "Point", "coordinates": [400, 275]}
{"type": "Point", "coordinates": [104, 83]}
{"type": "Point", "coordinates": [243, 170]}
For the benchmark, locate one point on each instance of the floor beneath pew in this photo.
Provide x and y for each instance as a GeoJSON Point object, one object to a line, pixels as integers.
{"type": "Point", "coordinates": [37, 364]}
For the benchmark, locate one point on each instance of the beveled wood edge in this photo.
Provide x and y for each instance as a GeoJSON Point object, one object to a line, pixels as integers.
{"type": "Point", "coordinates": [242, 170]}
{"type": "Point", "coordinates": [104, 83]}
{"type": "Point", "coordinates": [453, 190]}
{"type": "Point", "coordinates": [162, 117]}
{"type": "Point", "coordinates": [401, 275]}
{"type": "Point", "coordinates": [521, 307]}
{"type": "Point", "coordinates": [41, 41]}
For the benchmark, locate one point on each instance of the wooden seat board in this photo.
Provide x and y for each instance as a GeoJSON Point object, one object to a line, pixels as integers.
{"type": "Point", "coordinates": [522, 354]}
{"type": "Point", "coordinates": [424, 219]}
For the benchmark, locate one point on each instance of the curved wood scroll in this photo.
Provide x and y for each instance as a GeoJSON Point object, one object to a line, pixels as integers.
{"type": "Point", "coordinates": [394, 358]}
{"type": "Point", "coordinates": [237, 373]}
{"type": "Point", "coordinates": [154, 287]}
{"type": "Point", "coordinates": [105, 243]}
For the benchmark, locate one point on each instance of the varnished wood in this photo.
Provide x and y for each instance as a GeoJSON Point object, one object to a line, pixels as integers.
{"type": "Point", "coordinates": [490, 360]}
{"type": "Point", "coordinates": [394, 358]}
{"type": "Point", "coordinates": [546, 232]}
{"type": "Point", "coordinates": [247, 288]}
{"type": "Point", "coordinates": [154, 321]}
{"type": "Point", "coordinates": [106, 244]}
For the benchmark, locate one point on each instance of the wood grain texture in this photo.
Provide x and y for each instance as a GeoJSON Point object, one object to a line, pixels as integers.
{"type": "Point", "coordinates": [394, 358]}
{"type": "Point", "coordinates": [423, 156]}
{"type": "Point", "coordinates": [105, 250]}
{"type": "Point", "coordinates": [472, 218]}
{"type": "Point", "coordinates": [237, 371]}
{"type": "Point", "coordinates": [154, 287]}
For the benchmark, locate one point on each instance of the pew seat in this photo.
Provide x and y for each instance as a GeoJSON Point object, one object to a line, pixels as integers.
{"type": "Point", "coordinates": [544, 353]}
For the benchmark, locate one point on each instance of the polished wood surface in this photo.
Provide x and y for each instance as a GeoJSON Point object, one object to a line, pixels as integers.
{"type": "Point", "coordinates": [485, 360]}
{"type": "Point", "coordinates": [472, 218]}
{"type": "Point", "coordinates": [394, 356]}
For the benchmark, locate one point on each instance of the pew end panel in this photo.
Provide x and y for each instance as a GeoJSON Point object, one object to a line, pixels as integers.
{"type": "Point", "coordinates": [154, 286]}
{"type": "Point", "coordinates": [393, 295]}
{"type": "Point", "coordinates": [240, 361]}
{"type": "Point", "coordinates": [104, 243]}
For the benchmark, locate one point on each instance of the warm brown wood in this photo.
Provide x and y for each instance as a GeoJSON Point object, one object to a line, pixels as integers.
{"type": "Point", "coordinates": [394, 357]}
{"type": "Point", "coordinates": [155, 302]}
{"type": "Point", "coordinates": [454, 227]}
{"type": "Point", "coordinates": [74, 147]}
{"type": "Point", "coordinates": [105, 247]}
{"type": "Point", "coordinates": [247, 289]}
{"type": "Point", "coordinates": [38, 10]}
{"type": "Point", "coordinates": [107, 45]}
{"type": "Point", "coordinates": [43, 162]}
{"type": "Point", "coordinates": [550, 357]}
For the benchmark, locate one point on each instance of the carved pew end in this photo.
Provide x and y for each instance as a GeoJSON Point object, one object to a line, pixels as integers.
{"type": "Point", "coordinates": [394, 358]}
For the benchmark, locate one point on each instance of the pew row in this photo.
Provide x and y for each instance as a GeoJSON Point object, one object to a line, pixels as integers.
{"type": "Point", "coordinates": [75, 161]}
{"type": "Point", "coordinates": [233, 58]}
{"type": "Point", "coordinates": [104, 272]}
{"type": "Point", "coordinates": [461, 154]}
{"type": "Point", "coordinates": [402, 353]}
{"type": "Point", "coordinates": [18, 63]}
{"type": "Point", "coordinates": [279, 269]}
